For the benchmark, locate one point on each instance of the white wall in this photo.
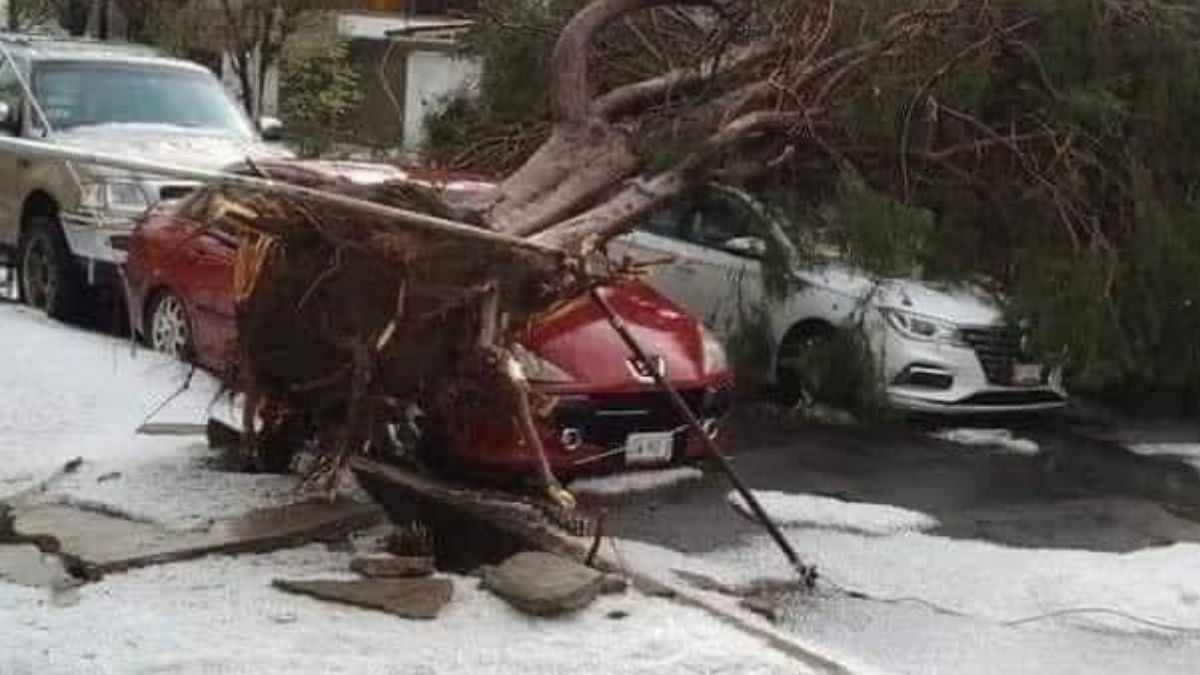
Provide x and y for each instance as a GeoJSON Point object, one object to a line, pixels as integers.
{"type": "Point", "coordinates": [431, 76]}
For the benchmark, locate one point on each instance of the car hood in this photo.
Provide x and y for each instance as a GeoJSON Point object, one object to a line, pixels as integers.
{"type": "Point", "coordinates": [173, 145]}
{"type": "Point", "coordinates": [960, 303]}
{"type": "Point", "coordinates": [578, 339]}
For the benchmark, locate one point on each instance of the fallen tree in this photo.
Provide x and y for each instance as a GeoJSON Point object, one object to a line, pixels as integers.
{"type": "Point", "coordinates": [1048, 145]}
{"type": "Point", "coordinates": [346, 320]}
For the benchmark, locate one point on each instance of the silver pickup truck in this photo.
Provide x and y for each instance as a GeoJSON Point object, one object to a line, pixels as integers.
{"type": "Point", "coordinates": [62, 232]}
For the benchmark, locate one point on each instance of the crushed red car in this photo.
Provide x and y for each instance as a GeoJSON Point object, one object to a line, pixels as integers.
{"type": "Point", "coordinates": [608, 415]}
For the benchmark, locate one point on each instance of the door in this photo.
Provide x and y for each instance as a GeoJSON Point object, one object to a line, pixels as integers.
{"type": "Point", "coordinates": [11, 165]}
{"type": "Point", "coordinates": [210, 259]}
{"type": "Point", "coordinates": [717, 273]}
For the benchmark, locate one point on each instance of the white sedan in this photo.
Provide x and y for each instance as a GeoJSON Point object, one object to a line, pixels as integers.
{"type": "Point", "coordinates": [939, 349]}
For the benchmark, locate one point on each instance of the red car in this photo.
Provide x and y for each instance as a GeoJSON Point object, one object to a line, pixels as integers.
{"type": "Point", "coordinates": [608, 417]}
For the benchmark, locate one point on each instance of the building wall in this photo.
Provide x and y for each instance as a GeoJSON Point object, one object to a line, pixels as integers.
{"type": "Point", "coordinates": [432, 76]}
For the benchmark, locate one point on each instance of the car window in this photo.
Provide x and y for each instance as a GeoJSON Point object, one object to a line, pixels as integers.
{"type": "Point", "coordinates": [665, 222]}
{"type": "Point", "coordinates": [79, 94]}
{"type": "Point", "coordinates": [719, 220]}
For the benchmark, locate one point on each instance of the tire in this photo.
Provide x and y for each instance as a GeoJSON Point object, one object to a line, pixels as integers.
{"type": "Point", "coordinates": [49, 278]}
{"type": "Point", "coordinates": [168, 328]}
{"type": "Point", "coordinates": [796, 382]}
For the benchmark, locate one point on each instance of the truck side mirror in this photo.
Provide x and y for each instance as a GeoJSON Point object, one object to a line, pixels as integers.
{"type": "Point", "coordinates": [8, 118]}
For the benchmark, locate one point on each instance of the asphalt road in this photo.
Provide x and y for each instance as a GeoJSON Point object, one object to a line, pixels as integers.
{"type": "Point", "coordinates": [1078, 492]}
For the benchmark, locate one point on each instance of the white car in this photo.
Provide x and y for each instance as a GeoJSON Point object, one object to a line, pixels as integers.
{"type": "Point", "coordinates": [938, 349]}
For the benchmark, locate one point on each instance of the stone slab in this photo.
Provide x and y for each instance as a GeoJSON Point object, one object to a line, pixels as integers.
{"type": "Point", "coordinates": [544, 584]}
{"type": "Point", "coordinates": [27, 565]}
{"type": "Point", "coordinates": [406, 598]}
{"type": "Point", "coordinates": [97, 543]}
{"type": "Point", "coordinates": [388, 566]}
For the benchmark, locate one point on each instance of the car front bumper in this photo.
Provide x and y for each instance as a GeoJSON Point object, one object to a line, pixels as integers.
{"type": "Point", "coordinates": [91, 240]}
{"type": "Point", "coordinates": [952, 380]}
{"type": "Point", "coordinates": [586, 434]}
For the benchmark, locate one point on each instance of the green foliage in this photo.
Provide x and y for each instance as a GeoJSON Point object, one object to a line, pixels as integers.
{"type": "Point", "coordinates": [880, 233]}
{"type": "Point", "coordinates": [1092, 225]}
{"type": "Point", "coordinates": [512, 85]}
{"type": "Point", "coordinates": [319, 84]}
{"type": "Point", "coordinates": [845, 374]}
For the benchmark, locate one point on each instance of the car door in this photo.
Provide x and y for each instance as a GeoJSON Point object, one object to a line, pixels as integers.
{"type": "Point", "coordinates": [10, 163]}
{"type": "Point", "coordinates": [729, 246]}
{"type": "Point", "coordinates": [672, 268]}
{"type": "Point", "coordinates": [197, 264]}
{"type": "Point", "coordinates": [717, 272]}
{"type": "Point", "coordinates": [211, 259]}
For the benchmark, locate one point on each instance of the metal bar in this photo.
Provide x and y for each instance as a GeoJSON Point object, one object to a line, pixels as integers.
{"type": "Point", "coordinates": [47, 149]}
{"type": "Point", "coordinates": [807, 573]}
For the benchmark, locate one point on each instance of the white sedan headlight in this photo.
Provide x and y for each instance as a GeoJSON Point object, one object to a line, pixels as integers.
{"type": "Point", "coordinates": [924, 328]}
{"type": "Point", "coordinates": [121, 197]}
{"type": "Point", "coordinates": [715, 359]}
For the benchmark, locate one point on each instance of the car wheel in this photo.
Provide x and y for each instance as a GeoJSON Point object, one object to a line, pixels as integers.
{"type": "Point", "coordinates": [168, 329]}
{"type": "Point", "coordinates": [799, 373]}
{"type": "Point", "coordinates": [49, 280]}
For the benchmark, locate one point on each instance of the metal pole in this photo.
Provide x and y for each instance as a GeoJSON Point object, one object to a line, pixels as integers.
{"type": "Point", "coordinates": [48, 149]}
{"type": "Point", "coordinates": [808, 574]}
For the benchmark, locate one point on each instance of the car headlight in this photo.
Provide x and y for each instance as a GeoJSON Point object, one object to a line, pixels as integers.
{"type": "Point", "coordinates": [123, 197]}
{"type": "Point", "coordinates": [537, 369]}
{"type": "Point", "coordinates": [925, 328]}
{"type": "Point", "coordinates": [715, 358]}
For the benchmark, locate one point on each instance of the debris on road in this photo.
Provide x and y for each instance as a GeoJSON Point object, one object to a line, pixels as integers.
{"type": "Point", "coordinates": [766, 607]}
{"type": "Point", "coordinates": [388, 566]}
{"type": "Point", "coordinates": [613, 584]}
{"type": "Point", "coordinates": [542, 584]}
{"type": "Point", "coordinates": [170, 429]}
{"type": "Point", "coordinates": [406, 598]}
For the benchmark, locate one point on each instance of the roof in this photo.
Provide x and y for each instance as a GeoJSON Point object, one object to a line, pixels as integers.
{"type": "Point", "coordinates": [52, 47]}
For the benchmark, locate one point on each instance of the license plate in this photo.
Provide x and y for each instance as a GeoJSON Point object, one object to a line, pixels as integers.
{"type": "Point", "coordinates": [1024, 374]}
{"type": "Point", "coordinates": [649, 448]}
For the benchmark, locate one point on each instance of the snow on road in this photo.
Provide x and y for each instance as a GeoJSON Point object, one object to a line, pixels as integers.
{"type": "Point", "coordinates": [68, 393]}
{"type": "Point", "coordinates": [220, 616]}
{"type": "Point", "coordinates": [1188, 453]}
{"type": "Point", "coordinates": [1001, 439]}
{"type": "Point", "coordinates": [792, 510]}
{"type": "Point", "coordinates": [638, 481]}
{"type": "Point", "coordinates": [953, 600]}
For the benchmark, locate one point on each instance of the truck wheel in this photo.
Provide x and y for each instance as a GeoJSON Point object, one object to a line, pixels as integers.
{"type": "Point", "coordinates": [50, 281]}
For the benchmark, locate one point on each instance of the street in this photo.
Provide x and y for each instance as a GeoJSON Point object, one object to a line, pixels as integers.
{"type": "Point", "coordinates": [1079, 523]}
{"type": "Point", "coordinates": [928, 549]}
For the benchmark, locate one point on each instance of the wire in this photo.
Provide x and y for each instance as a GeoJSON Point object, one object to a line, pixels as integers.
{"type": "Point", "coordinates": [1078, 611]}
{"type": "Point", "coordinates": [1071, 611]}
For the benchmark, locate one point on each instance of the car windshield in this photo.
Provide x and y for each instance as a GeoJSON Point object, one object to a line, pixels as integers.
{"type": "Point", "coordinates": [90, 94]}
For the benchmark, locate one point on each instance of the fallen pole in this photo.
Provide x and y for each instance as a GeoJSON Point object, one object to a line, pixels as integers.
{"type": "Point", "coordinates": [48, 149]}
{"type": "Point", "coordinates": [808, 574]}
